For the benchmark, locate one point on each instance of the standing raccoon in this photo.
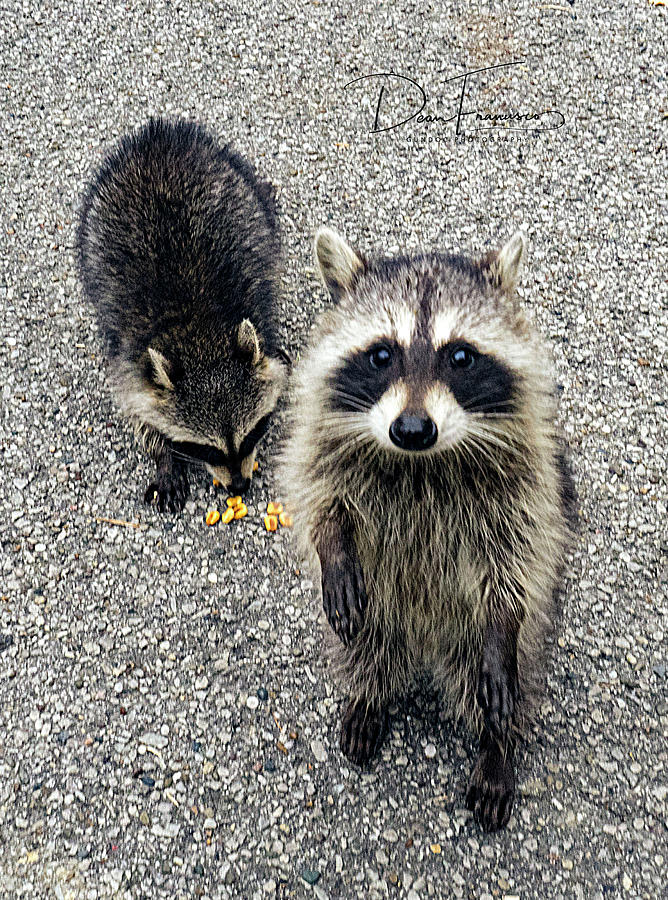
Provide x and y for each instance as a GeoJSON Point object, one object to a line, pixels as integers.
{"type": "Point", "coordinates": [179, 252]}
{"type": "Point", "coordinates": [425, 472]}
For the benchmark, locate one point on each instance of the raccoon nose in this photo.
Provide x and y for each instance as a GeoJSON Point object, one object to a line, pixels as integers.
{"type": "Point", "coordinates": [239, 484]}
{"type": "Point", "coordinates": [411, 432]}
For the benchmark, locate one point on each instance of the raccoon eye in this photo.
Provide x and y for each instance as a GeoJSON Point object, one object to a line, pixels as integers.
{"type": "Point", "coordinates": [462, 358]}
{"type": "Point", "coordinates": [380, 357]}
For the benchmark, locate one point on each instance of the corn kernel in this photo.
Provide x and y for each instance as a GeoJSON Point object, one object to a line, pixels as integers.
{"type": "Point", "coordinates": [228, 515]}
{"type": "Point", "coordinates": [256, 466]}
{"type": "Point", "coordinates": [274, 508]}
{"type": "Point", "coordinates": [285, 520]}
{"type": "Point", "coordinates": [240, 511]}
{"type": "Point", "coordinates": [234, 502]}
{"type": "Point", "coordinates": [270, 523]}
{"type": "Point", "coordinates": [216, 483]}
{"type": "Point", "coordinates": [212, 517]}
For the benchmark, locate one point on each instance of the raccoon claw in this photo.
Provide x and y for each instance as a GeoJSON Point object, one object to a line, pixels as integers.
{"type": "Point", "coordinates": [498, 691]}
{"type": "Point", "coordinates": [491, 789]}
{"type": "Point", "coordinates": [169, 492]}
{"type": "Point", "coordinates": [344, 599]}
{"type": "Point", "coordinates": [362, 732]}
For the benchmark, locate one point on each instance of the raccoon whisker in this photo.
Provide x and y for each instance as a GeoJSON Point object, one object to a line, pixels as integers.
{"type": "Point", "coordinates": [489, 410]}
{"type": "Point", "coordinates": [471, 404]}
{"type": "Point", "coordinates": [363, 403]}
{"type": "Point", "coordinates": [186, 457]}
{"type": "Point", "coordinates": [489, 435]}
{"type": "Point", "coordinates": [345, 422]}
{"type": "Point", "coordinates": [469, 444]}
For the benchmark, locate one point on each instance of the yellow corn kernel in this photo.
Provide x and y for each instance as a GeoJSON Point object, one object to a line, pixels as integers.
{"type": "Point", "coordinates": [270, 523]}
{"type": "Point", "coordinates": [240, 511]}
{"type": "Point", "coordinates": [285, 520]}
{"type": "Point", "coordinates": [228, 515]}
{"type": "Point", "coordinates": [234, 502]}
{"type": "Point", "coordinates": [216, 483]}
{"type": "Point", "coordinates": [212, 517]}
{"type": "Point", "coordinates": [274, 509]}
{"type": "Point", "coordinates": [256, 466]}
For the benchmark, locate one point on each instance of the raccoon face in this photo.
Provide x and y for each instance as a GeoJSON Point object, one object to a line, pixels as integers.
{"type": "Point", "coordinates": [419, 352]}
{"type": "Point", "coordinates": [216, 416]}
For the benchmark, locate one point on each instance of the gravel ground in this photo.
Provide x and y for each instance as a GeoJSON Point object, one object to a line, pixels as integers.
{"type": "Point", "coordinates": [168, 727]}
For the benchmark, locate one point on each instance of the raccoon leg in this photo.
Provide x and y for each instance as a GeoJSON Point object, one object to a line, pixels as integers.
{"type": "Point", "coordinates": [343, 593]}
{"type": "Point", "coordinates": [170, 489]}
{"type": "Point", "coordinates": [491, 789]}
{"type": "Point", "coordinates": [363, 728]}
{"type": "Point", "coordinates": [498, 683]}
{"type": "Point", "coordinates": [378, 670]}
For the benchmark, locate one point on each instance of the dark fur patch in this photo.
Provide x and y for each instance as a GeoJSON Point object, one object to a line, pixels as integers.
{"type": "Point", "coordinates": [174, 223]}
{"type": "Point", "coordinates": [214, 456]}
{"type": "Point", "coordinates": [254, 435]}
{"type": "Point", "coordinates": [487, 387]}
{"type": "Point", "coordinates": [357, 383]}
{"type": "Point", "coordinates": [203, 453]}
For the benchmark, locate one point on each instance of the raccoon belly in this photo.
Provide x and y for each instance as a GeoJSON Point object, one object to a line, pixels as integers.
{"type": "Point", "coordinates": [408, 617]}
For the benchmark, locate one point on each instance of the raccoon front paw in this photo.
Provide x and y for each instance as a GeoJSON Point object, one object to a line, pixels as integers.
{"type": "Point", "coordinates": [169, 491]}
{"type": "Point", "coordinates": [491, 789]}
{"type": "Point", "coordinates": [498, 690]}
{"type": "Point", "coordinates": [344, 597]}
{"type": "Point", "coordinates": [362, 732]}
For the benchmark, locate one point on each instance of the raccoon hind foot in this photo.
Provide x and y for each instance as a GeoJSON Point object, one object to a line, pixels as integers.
{"type": "Point", "coordinates": [362, 731]}
{"type": "Point", "coordinates": [170, 489]}
{"type": "Point", "coordinates": [491, 789]}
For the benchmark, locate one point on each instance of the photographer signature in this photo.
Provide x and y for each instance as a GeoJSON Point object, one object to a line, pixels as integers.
{"type": "Point", "coordinates": [543, 120]}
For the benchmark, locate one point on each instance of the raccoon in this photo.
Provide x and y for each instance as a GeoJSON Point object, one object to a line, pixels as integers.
{"type": "Point", "coordinates": [426, 476]}
{"type": "Point", "coordinates": [179, 251]}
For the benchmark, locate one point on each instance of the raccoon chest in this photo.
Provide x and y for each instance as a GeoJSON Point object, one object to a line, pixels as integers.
{"type": "Point", "coordinates": [422, 572]}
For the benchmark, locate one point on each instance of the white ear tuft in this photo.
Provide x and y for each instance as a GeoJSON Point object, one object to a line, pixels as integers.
{"type": "Point", "coordinates": [248, 342]}
{"type": "Point", "coordinates": [509, 261]}
{"type": "Point", "coordinates": [336, 260]}
{"type": "Point", "coordinates": [161, 369]}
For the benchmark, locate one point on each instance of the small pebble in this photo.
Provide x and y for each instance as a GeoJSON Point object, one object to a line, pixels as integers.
{"type": "Point", "coordinates": [318, 750]}
{"type": "Point", "coordinates": [263, 694]}
{"type": "Point", "coordinates": [252, 702]}
{"type": "Point", "coordinates": [430, 751]}
{"type": "Point", "coordinates": [310, 876]}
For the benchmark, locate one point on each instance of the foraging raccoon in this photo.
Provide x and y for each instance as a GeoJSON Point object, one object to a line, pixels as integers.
{"type": "Point", "coordinates": [425, 472]}
{"type": "Point", "coordinates": [179, 252]}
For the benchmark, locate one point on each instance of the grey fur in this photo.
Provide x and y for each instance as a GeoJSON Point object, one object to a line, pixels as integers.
{"type": "Point", "coordinates": [450, 541]}
{"type": "Point", "coordinates": [180, 254]}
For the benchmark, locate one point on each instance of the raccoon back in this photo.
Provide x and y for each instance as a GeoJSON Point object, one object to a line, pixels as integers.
{"type": "Point", "coordinates": [177, 229]}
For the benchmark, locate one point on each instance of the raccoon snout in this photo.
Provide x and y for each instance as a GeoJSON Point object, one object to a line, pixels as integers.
{"type": "Point", "coordinates": [411, 432]}
{"type": "Point", "coordinates": [239, 484]}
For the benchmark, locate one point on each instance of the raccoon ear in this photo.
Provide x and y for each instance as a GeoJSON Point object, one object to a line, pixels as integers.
{"type": "Point", "coordinates": [336, 260]}
{"type": "Point", "coordinates": [160, 371]}
{"type": "Point", "coordinates": [504, 267]}
{"type": "Point", "coordinates": [248, 344]}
